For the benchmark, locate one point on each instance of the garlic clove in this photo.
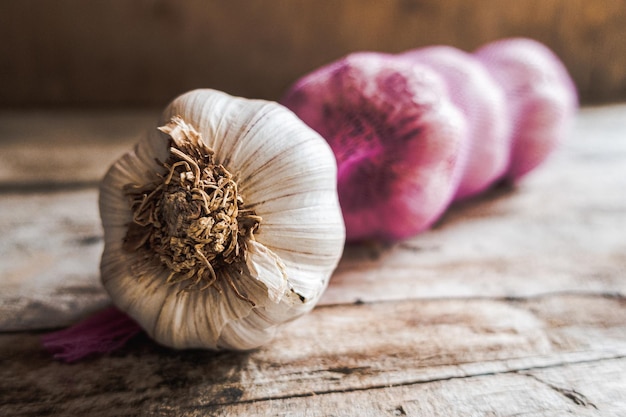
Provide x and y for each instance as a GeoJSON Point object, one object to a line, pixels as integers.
{"type": "Point", "coordinates": [271, 175]}
{"type": "Point", "coordinates": [268, 268]}
{"type": "Point", "coordinates": [196, 319]}
{"type": "Point", "coordinates": [126, 293]}
{"type": "Point", "coordinates": [397, 138]}
{"type": "Point", "coordinates": [540, 96]}
{"type": "Point", "coordinates": [482, 102]}
{"type": "Point", "coordinates": [248, 333]}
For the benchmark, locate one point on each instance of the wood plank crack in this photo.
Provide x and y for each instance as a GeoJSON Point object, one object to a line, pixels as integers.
{"type": "Point", "coordinates": [609, 295]}
{"type": "Point", "coordinates": [571, 394]}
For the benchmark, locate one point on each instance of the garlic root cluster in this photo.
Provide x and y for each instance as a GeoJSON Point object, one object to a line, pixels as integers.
{"type": "Point", "coordinates": [413, 132]}
{"type": "Point", "coordinates": [221, 224]}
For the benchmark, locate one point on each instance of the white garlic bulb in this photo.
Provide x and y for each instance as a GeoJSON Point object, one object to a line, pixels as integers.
{"type": "Point", "coordinates": [222, 224]}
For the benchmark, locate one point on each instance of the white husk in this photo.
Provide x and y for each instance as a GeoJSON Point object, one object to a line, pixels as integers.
{"type": "Point", "coordinates": [286, 172]}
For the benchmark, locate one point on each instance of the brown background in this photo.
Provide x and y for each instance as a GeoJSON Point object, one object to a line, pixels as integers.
{"type": "Point", "coordinates": [143, 52]}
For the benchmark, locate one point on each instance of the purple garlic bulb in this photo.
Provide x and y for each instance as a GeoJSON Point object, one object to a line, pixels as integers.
{"type": "Point", "coordinates": [540, 96]}
{"type": "Point", "coordinates": [416, 131]}
{"type": "Point", "coordinates": [398, 140]}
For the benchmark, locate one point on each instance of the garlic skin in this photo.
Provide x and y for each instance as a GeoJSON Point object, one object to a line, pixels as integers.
{"type": "Point", "coordinates": [284, 174]}
{"type": "Point", "coordinates": [399, 141]}
{"type": "Point", "coordinates": [541, 99]}
{"type": "Point", "coordinates": [483, 104]}
{"type": "Point", "coordinates": [416, 131]}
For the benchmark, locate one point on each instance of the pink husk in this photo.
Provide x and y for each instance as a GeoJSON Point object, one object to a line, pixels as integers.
{"type": "Point", "coordinates": [397, 138]}
{"type": "Point", "coordinates": [472, 89]}
{"type": "Point", "coordinates": [101, 333]}
{"type": "Point", "coordinates": [540, 95]}
{"type": "Point", "coordinates": [515, 100]}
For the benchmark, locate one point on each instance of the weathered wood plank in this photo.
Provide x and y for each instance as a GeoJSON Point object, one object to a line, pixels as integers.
{"type": "Point", "coordinates": [594, 385]}
{"type": "Point", "coordinates": [431, 357]}
{"type": "Point", "coordinates": [562, 230]}
{"type": "Point", "coordinates": [505, 395]}
{"type": "Point", "coordinates": [509, 394]}
{"type": "Point", "coordinates": [65, 148]}
{"type": "Point", "coordinates": [50, 245]}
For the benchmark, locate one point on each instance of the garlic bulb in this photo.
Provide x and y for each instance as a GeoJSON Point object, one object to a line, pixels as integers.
{"type": "Point", "coordinates": [416, 131]}
{"type": "Point", "coordinates": [398, 139]}
{"type": "Point", "coordinates": [222, 224]}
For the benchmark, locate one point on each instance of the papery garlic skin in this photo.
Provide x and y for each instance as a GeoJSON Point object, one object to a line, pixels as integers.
{"type": "Point", "coordinates": [465, 122]}
{"type": "Point", "coordinates": [398, 139]}
{"type": "Point", "coordinates": [483, 104]}
{"type": "Point", "coordinates": [541, 99]}
{"type": "Point", "coordinates": [286, 174]}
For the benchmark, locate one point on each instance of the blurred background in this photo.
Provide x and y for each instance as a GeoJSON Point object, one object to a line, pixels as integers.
{"type": "Point", "coordinates": [138, 53]}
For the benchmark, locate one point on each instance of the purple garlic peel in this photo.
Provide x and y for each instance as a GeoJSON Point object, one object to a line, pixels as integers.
{"type": "Point", "coordinates": [416, 131]}
{"type": "Point", "coordinates": [472, 89]}
{"type": "Point", "coordinates": [541, 99]}
{"type": "Point", "coordinates": [397, 138]}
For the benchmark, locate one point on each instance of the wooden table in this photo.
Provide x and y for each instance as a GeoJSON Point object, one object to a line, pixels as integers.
{"type": "Point", "coordinates": [514, 304]}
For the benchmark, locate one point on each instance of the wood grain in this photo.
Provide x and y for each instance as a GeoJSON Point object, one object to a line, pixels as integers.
{"type": "Point", "coordinates": [67, 149]}
{"type": "Point", "coordinates": [409, 354]}
{"type": "Point", "coordinates": [77, 53]}
{"type": "Point", "coordinates": [50, 245]}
